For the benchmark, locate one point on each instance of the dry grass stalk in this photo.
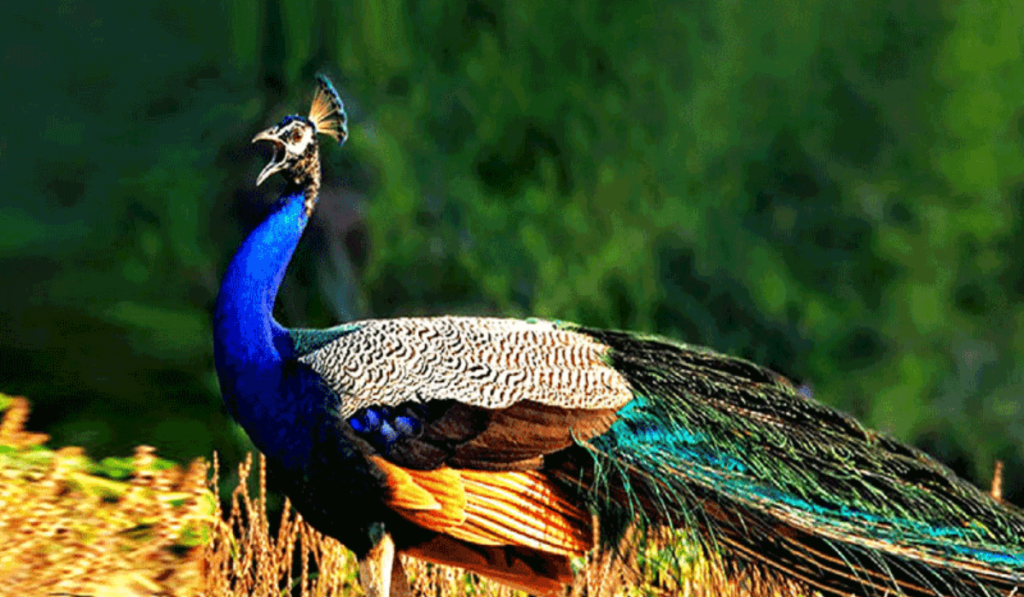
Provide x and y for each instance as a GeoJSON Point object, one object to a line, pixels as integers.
{"type": "Point", "coordinates": [244, 559]}
{"type": "Point", "coordinates": [997, 482]}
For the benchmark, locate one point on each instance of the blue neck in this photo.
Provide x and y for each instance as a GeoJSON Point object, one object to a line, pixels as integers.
{"type": "Point", "coordinates": [250, 347]}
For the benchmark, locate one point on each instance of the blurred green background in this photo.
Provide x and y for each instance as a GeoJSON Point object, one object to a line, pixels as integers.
{"type": "Point", "coordinates": [831, 189]}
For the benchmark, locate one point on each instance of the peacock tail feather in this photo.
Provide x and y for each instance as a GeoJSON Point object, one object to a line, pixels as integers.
{"type": "Point", "coordinates": [780, 481]}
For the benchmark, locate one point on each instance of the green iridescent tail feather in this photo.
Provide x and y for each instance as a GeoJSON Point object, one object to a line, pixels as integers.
{"type": "Point", "coordinates": [732, 451]}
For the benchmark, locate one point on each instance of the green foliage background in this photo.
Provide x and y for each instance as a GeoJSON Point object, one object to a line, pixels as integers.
{"type": "Point", "coordinates": [831, 189]}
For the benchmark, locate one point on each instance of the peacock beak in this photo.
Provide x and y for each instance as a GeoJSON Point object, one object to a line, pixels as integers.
{"type": "Point", "coordinates": [267, 135]}
{"type": "Point", "coordinates": [277, 163]}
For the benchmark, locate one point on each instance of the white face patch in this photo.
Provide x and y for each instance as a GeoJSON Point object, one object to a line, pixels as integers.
{"type": "Point", "coordinates": [296, 137]}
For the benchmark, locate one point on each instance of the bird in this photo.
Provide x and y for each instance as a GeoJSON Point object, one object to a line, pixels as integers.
{"type": "Point", "coordinates": [513, 447]}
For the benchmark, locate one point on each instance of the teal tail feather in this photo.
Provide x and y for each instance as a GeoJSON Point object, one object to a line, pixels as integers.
{"type": "Point", "coordinates": [772, 480]}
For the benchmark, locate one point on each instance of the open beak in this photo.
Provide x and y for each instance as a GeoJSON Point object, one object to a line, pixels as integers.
{"type": "Point", "coordinates": [277, 162]}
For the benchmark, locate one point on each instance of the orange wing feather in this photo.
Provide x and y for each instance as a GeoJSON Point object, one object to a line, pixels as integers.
{"type": "Point", "coordinates": [524, 508]}
{"type": "Point", "coordinates": [432, 499]}
{"type": "Point", "coordinates": [515, 508]}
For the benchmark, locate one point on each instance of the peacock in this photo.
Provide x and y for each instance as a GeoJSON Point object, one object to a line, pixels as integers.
{"type": "Point", "coordinates": [511, 447]}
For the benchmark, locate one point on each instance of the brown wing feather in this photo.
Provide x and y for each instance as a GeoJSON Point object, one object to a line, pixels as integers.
{"type": "Point", "coordinates": [537, 573]}
{"type": "Point", "coordinates": [521, 435]}
{"type": "Point", "coordinates": [464, 436]}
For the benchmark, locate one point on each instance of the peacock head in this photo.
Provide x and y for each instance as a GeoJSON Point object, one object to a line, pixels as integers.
{"type": "Point", "coordinates": [295, 147]}
{"type": "Point", "coordinates": [296, 153]}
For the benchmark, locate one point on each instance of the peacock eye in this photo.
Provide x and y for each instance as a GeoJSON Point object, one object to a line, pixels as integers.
{"type": "Point", "coordinates": [296, 135]}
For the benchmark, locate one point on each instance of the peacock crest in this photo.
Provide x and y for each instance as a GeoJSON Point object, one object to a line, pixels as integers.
{"type": "Point", "coordinates": [328, 111]}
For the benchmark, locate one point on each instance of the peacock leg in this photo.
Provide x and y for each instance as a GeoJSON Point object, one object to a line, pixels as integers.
{"type": "Point", "coordinates": [376, 568]}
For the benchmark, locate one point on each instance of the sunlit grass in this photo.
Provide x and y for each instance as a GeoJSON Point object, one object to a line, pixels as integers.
{"type": "Point", "coordinates": [69, 526]}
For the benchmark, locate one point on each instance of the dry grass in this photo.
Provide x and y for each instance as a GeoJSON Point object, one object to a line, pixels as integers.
{"type": "Point", "coordinates": [65, 530]}
{"type": "Point", "coordinates": [243, 557]}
